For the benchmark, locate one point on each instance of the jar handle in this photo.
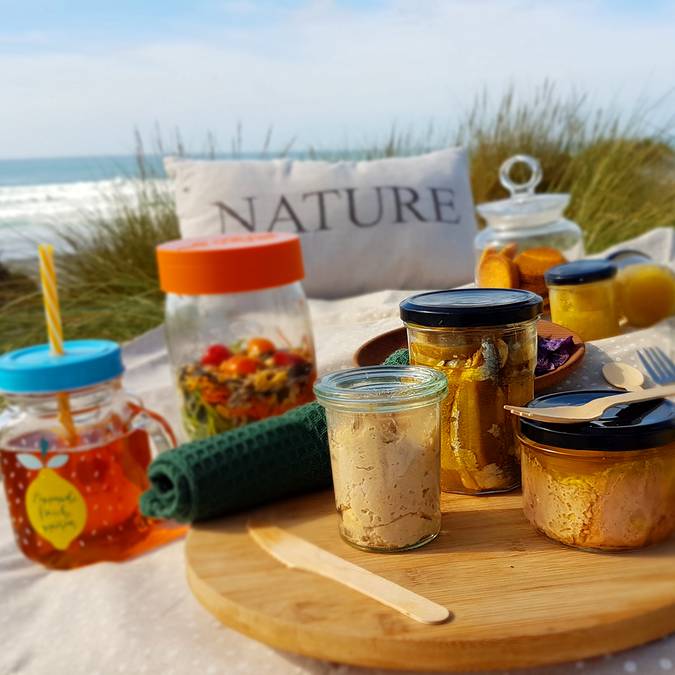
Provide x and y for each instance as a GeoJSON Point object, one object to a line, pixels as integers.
{"type": "Point", "coordinates": [162, 437]}
{"type": "Point", "coordinates": [520, 190]}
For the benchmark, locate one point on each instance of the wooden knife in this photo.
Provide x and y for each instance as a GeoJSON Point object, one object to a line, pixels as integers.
{"type": "Point", "coordinates": [296, 553]}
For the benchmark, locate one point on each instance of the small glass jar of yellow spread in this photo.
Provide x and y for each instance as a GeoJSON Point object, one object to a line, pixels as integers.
{"type": "Point", "coordinates": [583, 298]}
{"type": "Point", "coordinates": [484, 340]}
{"type": "Point", "coordinates": [602, 485]}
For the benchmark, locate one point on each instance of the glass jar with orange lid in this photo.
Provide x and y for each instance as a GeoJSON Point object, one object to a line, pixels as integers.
{"type": "Point", "coordinates": [74, 450]}
{"type": "Point", "coordinates": [237, 328]}
{"type": "Point", "coordinates": [525, 235]}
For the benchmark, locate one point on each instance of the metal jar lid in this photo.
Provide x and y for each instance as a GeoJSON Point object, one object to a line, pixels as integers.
{"type": "Point", "coordinates": [471, 307]}
{"type": "Point", "coordinates": [580, 272]}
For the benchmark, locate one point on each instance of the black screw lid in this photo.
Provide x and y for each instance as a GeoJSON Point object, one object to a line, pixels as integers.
{"type": "Point", "coordinates": [580, 272]}
{"type": "Point", "coordinates": [628, 426]}
{"type": "Point", "coordinates": [470, 307]}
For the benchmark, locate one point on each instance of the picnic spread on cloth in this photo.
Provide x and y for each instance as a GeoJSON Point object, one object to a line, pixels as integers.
{"type": "Point", "coordinates": [422, 451]}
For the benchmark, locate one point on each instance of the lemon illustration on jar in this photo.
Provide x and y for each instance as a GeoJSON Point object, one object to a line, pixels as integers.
{"type": "Point", "coordinates": [54, 506]}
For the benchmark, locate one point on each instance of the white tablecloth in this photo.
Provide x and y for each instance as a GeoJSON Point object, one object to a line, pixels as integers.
{"type": "Point", "coordinates": [139, 616]}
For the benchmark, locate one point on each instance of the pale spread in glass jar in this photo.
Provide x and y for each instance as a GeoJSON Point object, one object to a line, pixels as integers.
{"type": "Point", "coordinates": [384, 438]}
{"type": "Point", "coordinates": [386, 477]}
{"type": "Point", "coordinates": [617, 491]}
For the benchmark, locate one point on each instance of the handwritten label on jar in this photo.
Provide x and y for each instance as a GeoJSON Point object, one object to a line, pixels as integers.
{"type": "Point", "coordinates": [55, 507]}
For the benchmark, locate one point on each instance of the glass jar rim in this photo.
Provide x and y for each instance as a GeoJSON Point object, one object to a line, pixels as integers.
{"type": "Point", "coordinates": [386, 388]}
{"type": "Point", "coordinates": [592, 453]}
{"type": "Point", "coordinates": [114, 383]}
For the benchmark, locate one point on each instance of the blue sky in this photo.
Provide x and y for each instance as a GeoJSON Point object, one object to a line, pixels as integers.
{"type": "Point", "coordinates": [77, 77]}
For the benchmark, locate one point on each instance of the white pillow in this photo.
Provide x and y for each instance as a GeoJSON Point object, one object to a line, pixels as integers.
{"type": "Point", "coordinates": [398, 223]}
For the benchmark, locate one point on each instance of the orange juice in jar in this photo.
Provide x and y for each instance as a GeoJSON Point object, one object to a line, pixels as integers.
{"type": "Point", "coordinates": [74, 450]}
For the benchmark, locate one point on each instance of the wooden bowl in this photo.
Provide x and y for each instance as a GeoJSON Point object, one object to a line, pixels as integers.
{"type": "Point", "coordinates": [375, 351]}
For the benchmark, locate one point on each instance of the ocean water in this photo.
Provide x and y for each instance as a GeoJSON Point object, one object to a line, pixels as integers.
{"type": "Point", "coordinates": [39, 197]}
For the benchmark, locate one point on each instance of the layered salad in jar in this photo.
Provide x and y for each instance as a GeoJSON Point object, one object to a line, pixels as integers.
{"type": "Point", "coordinates": [232, 385]}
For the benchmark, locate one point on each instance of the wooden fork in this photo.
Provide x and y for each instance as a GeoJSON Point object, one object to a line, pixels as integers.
{"type": "Point", "coordinates": [593, 409]}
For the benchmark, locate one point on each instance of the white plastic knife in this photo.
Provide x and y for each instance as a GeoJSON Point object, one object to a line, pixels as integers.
{"type": "Point", "coordinates": [297, 553]}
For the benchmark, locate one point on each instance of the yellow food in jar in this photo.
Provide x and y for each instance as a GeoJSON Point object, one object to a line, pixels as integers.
{"type": "Point", "coordinates": [599, 500]}
{"type": "Point", "coordinates": [486, 368]}
{"type": "Point", "coordinates": [646, 293]}
{"type": "Point", "coordinates": [590, 309]}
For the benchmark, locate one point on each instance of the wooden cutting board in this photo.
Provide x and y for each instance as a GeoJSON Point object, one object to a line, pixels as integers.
{"type": "Point", "coordinates": [518, 599]}
{"type": "Point", "coordinates": [375, 351]}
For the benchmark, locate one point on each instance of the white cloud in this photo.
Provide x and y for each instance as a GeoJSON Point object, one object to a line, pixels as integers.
{"type": "Point", "coordinates": [325, 74]}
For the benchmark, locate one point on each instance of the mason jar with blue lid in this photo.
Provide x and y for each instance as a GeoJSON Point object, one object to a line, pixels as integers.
{"type": "Point", "coordinates": [74, 449]}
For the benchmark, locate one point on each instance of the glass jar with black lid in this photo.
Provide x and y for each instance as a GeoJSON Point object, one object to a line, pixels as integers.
{"type": "Point", "coordinates": [583, 298]}
{"type": "Point", "coordinates": [485, 342]}
{"type": "Point", "coordinates": [607, 484]}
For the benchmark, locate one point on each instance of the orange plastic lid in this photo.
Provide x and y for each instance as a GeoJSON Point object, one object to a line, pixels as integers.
{"type": "Point", "coordinates": [229, 263]}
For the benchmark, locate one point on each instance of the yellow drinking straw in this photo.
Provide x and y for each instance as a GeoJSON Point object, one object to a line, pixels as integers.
{"type": "Point", "coordinates": [50, 299]}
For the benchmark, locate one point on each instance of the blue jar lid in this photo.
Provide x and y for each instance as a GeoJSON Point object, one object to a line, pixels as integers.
{"type": "Point", "coordinates": [628, 426]}
{"type": "Point", "coordinates": [580, 272]}
{"type": "Point", "coordinates": [35, 370]}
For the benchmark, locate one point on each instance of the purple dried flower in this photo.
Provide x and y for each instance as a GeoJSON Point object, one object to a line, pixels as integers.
{"type": "Point", "coordinates": [552, 353]}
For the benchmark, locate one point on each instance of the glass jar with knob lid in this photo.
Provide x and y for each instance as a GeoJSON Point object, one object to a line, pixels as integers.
{"type": "Point", "coordinates": [526, 234]}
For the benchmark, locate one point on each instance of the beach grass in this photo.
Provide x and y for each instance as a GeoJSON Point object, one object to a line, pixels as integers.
{"type": "Point", "coordinates": [618, 171]}
{"type": "Point", "coordinates": [107, 279]}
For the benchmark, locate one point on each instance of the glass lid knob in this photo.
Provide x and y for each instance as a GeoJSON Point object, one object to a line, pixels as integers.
{"type": "Point", "coordinates": [520, 190]}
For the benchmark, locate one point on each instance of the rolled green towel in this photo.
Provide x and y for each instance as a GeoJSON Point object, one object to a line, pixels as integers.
{"type": "Point", "coordinates": [275, 458]}
{"type": "Point", "coordinates": [258, 463]}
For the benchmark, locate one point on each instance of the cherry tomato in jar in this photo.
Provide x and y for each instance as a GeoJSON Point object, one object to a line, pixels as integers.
{"type": "Point", "coordinates": [257, 347]}
{"type": "Point", "coordinates": [239, 365]}
{"type": "Point", "coordinates": [283, 359]}
{"type": "Point", "coordinates": [215, 355]}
